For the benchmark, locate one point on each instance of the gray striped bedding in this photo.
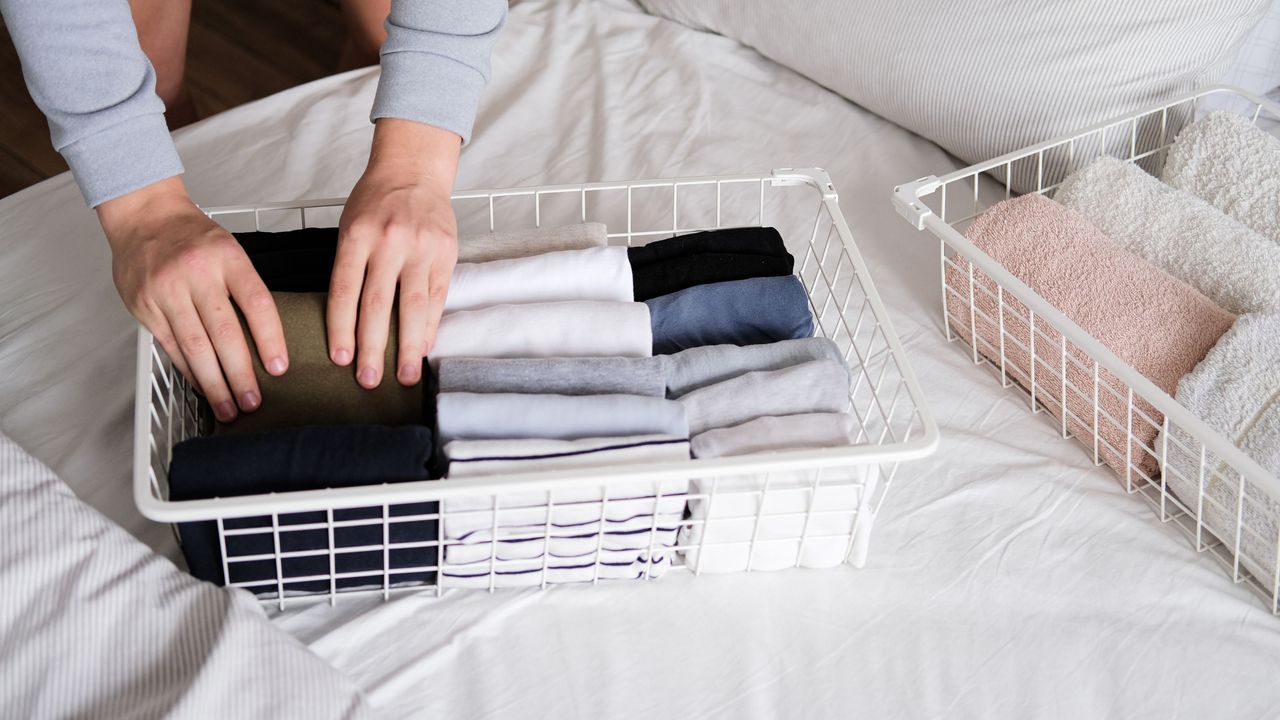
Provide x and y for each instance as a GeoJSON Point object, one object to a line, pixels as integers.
{"type": "Point", "coordinates": [981, 79]}
{"type": "Point", "coordinates": [94, 624]}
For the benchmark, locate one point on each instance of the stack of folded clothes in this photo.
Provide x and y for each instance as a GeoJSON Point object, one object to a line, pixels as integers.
{"type": "Point", "coordinates": [1180, 277]}
{"type": "Point", "coordinates": [551, 408]}
{"type": "Point", "coordinates": [787, 395]}
{"type": "Point", "coordinates": [319, 429]}
{"type": "Point", "coordinates": [556, 354]}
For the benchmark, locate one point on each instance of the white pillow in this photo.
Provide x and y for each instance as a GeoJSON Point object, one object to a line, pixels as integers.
{"type": "Point", "coordinates": [983, 78]}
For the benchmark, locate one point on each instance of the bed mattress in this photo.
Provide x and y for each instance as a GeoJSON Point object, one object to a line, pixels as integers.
{"type": "Point", "coordinates": [1008, 577]}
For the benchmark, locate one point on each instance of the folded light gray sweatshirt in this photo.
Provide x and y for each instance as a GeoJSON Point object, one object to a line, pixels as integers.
{"type": "Point", "coordinates": [85, 70]}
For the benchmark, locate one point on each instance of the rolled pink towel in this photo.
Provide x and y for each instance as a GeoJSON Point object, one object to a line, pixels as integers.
{"type": "Point", "coordinates": [1151, 320]}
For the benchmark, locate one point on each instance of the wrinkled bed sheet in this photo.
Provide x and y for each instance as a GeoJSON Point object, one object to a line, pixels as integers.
{"type": "Point", "coordinates": [1007, 576]}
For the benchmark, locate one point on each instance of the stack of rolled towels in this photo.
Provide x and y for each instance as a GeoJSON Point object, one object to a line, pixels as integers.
{"type": "Point", "coordinates": [1180, 277]}
{"type": "Point", "coordinates": [557, 354]}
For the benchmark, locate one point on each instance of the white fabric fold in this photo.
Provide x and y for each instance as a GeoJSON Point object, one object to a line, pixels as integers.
{"type": "Point", "coordinates": [599, 273]}
{"type": "Point", "coordinates": [576, 328]}
{"type": "Point", "coordinates": [502, 416]}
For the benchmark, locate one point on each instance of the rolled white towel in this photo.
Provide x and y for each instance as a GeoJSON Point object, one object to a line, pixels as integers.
{"type": "Point", "coordinates": [598, 273]}
{"type": "Point", "coordinates": [1236, 391]}
{"type": "Point", "coordinates": [576, 328]}
{"type": "Point", "coordinates": [1176, 231]}
{"type": "Point", "coordinates": [1232, 164]}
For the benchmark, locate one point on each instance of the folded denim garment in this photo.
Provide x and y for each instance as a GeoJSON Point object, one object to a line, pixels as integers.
{"type": "Point", "coordinates": [741, 312]}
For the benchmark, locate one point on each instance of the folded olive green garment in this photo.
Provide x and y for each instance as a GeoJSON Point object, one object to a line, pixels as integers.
{"type": "Point", "coordinates": [314, 391]}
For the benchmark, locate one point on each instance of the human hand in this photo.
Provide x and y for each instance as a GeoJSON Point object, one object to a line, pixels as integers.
{"type": "Point", "coordinates": [178, 272]}
{"type": "Point", "coordinates": [397, 228]}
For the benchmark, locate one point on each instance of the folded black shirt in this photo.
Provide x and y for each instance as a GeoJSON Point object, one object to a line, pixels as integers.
{"type": "Point", "coordinates": [737, 241]}
{"type": "Point", "coordinates": [306, 458]}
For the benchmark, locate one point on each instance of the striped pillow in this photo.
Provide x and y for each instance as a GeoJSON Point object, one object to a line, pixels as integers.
{"type": "Point", "coordinates": [983, 78]}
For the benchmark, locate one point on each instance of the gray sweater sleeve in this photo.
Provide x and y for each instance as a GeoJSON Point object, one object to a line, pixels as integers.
{"type": "Point", "coordinates": [87, 73]}
{"type": "Point", "coordinates": [435, 62]}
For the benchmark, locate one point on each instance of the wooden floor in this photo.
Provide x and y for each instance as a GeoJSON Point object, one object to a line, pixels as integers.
{"type": "Point", "coordinates": [239, 50]}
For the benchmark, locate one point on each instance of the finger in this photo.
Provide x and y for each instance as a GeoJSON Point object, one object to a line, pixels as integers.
{"type": "Point", "coordinates": [254, 300]}
{"type": "Point", "coordinates": [414, 311]}
{"type": "Point", "coordinates": [195, 346]}
{"type": "Point", "coordinates": [375, 320]}
{"type": "Point", "coordinates": [344, 298]}
{"type": "Point", "coordinates": [441, 273]}
{"type": "Point", "coordinates": [163, 335]}
{"type": "Point", "coordinates": [227, 334]}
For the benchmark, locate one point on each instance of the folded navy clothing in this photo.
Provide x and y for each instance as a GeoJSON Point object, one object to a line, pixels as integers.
{"type": "Point", "coordinates": [675, 274]}
{"type": "Point", "coordinates": [293, 260]}
{"type": "Point", "coordinates": [737, 241]}
{"type": "Point", "coordinates": [741, 312]}
{"type": "Point", "coordinates": [307, 458]}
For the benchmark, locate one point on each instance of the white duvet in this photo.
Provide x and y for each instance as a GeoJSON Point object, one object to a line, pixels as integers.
{"type": "Point", "coordinates": [1007, 576]}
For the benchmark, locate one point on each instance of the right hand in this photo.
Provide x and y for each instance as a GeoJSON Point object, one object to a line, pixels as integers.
{"type": "Point", "coordinates": [178, 272]}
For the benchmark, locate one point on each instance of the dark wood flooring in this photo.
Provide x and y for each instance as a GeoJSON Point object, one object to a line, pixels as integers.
{"type": "Point", "coordinates": [239, 50]}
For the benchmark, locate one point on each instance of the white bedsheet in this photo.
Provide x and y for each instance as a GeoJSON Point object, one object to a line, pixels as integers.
{"type": "Point", "coordinates": [1007, 576]}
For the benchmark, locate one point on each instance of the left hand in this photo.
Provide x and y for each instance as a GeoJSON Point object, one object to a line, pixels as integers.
{"type": "Point", "coordinates": [397, 228]}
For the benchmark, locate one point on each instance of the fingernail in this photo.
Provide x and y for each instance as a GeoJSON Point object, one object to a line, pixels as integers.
{"type": "Point", "coordinates": [250, 401]}
{"type": "Point", "coordinates": [409, 373]}
{"type": "Point", "coordinates": [342, 357]}
{"type": "Point", "coordinates": [368, 377]}
{"type": "Point", "coordinates": [276, 366]}
{"type": "Point", "coordinates": [226, 411]}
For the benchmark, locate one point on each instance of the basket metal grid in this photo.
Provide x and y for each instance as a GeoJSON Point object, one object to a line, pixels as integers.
{"type": "Point", "coordinates": [751, 509]}
{"type": "Point", "coordinates": [1191, 475]}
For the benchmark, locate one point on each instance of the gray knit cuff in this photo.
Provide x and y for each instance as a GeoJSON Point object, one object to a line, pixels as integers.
{"type": "Point", "coordinates": [123, 158]}
{"type": "Point", "coordinates": [431, 89]}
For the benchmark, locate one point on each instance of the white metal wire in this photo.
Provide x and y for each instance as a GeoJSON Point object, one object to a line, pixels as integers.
{"type": "Point", "coordinates": [893, 425]}
{"type": "Point", "coordinates": [1194, 477]}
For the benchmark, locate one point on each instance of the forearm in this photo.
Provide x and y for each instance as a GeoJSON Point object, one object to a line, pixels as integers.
{"type": "Point", "coordinates": [435, 61]}
{"type": "Point", "coordinates": [415, 152]}
{"type": "Point", "coordinates": [85, 70]}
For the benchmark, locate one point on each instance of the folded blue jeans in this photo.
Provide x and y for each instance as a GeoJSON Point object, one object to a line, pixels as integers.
{"type": "Point", "coordinates": [739, 312]}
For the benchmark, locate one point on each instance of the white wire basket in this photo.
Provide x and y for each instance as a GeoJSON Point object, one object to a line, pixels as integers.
{"type": "Point", "coordinates": [1191, 475]}
{"type": "Point", "coordinates": [797, 508]}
